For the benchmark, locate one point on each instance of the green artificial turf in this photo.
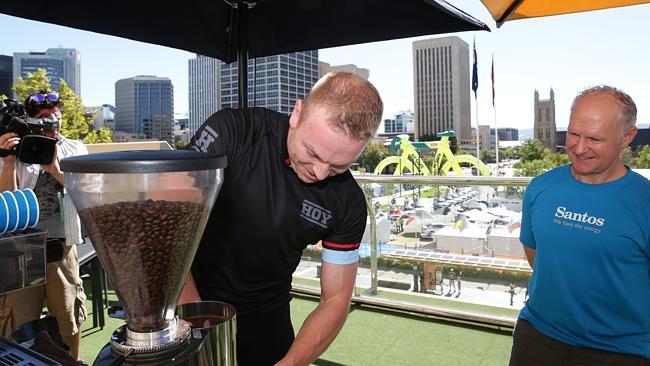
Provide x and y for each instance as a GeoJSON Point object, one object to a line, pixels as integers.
{"type": "Point", "coordinates": [371, 337]}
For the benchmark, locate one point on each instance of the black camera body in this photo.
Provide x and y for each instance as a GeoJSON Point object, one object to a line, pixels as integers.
{"type": "Point", "coordinates": [32, 148]}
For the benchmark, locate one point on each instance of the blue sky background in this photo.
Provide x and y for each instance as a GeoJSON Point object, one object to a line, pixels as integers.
{"type": "Point", "coordinates": [568, 53]}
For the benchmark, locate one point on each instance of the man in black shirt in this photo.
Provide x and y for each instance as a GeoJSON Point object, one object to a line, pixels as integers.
{"type": "Point", "coordinates": [287, 185]}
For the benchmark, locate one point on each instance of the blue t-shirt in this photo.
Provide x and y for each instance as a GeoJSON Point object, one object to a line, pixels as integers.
{"type": "Point", "coordinates": [591, 280]}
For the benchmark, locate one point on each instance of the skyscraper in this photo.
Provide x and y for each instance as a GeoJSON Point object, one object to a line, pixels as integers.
{"type": "Point", "coordinates": [274, 82]}
{"type": "Point", "coordinates": [145, 105]}
{"type": "Point", "coordinates": [60, 63]}
{"type": "Point", "coordinates": [441, 87]}
{"type": "Point", "coordinates": [324, 68]}
{"type": "Point", "coordinates": [403, 123]}
{"type": "Point", "coordinates": [204, 90]}
{"type": "Point", "coordinates": [544, 126]}
{"type": "Point", "coordinates": [6, 75]}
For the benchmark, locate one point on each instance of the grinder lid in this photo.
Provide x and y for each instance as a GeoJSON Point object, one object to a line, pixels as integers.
{"type": "Point", "coordinates": [143, 161]}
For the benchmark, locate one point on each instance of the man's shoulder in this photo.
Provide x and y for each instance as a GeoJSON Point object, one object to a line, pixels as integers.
{"type": "Point", "coordinates": [247, 115]}
{"type": "Point", "coordinates": [73, 147]}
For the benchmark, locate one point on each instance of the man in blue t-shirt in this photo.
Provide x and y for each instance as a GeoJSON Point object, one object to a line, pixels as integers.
{"type": "Point", "coordinates": [586, 234]}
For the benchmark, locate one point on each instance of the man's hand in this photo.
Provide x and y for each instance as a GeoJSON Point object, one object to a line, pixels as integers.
{"type": "Point", "coordinates": [324, 323]}
{"type": "Point", "coordinates": [8, 142]}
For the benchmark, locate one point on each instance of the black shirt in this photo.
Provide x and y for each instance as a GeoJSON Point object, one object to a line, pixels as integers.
{"type": "Point", "coordinates": [264, 215]}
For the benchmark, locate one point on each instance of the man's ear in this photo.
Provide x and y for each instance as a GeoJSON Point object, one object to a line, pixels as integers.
{"type": "Point", "coordinates": [629, 136]}
{"type": "Point", "coordinates": [295, 114]}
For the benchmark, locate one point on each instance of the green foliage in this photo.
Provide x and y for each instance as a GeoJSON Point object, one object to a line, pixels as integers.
{"type": "Point", "coordinates": [179, 145]}
{"type": "Point", "coordinates": [101, 136]}
{"type": "Point", "coordinates": [38, 80]}
{"type": "Point", "coordinates": [536, 159]}
{"type": "Point", "coordinates": [533, 150]}
{"type": "Point", "coordinates": [372, 155]}
{"type": "Point", "coordinates": [75, 123]}
{"type": "Point", "coordinates": [626, 155]}
{"type": "Point", "coordinates": [488, 155]}
{"type": "Point", "coordinates": [642, 159]}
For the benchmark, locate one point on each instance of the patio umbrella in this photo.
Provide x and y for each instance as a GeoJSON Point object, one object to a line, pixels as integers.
{"type": "Point", "coordinates": [234, 29]}
{"type": "Point", "coordinates": [504, 10]}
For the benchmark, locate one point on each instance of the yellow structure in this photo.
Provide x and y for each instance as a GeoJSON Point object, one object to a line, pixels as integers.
{"type": "Point", "coordinates": [410, 160]}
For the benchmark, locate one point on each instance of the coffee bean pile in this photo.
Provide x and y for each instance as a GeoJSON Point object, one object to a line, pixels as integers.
{"type": "Point", "coordinates": [144, 246]}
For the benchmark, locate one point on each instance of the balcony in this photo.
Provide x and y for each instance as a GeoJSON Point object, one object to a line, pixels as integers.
{"type": "Point", "coordinates": [398, 316]}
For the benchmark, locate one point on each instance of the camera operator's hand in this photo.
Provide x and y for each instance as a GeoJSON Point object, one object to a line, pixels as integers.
{"type": "Point", "coordinates": [8, 141]}
{"type": "Point", "coordinates": [53, 168]}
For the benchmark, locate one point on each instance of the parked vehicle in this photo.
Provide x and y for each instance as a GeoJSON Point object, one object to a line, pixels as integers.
{"type": "Point", "coordinates": [429, 229]}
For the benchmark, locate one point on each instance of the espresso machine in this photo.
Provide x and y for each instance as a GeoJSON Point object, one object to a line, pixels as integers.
{"type": "Point", "coordinates": [145, 212]}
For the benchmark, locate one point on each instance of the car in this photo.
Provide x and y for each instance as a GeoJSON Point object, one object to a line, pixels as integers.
{"type": "Point", "coordinates": [428, 230]}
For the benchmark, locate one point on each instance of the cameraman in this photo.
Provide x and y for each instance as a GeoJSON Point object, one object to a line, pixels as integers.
{"type": "Point", "coordinates": [63, 290]}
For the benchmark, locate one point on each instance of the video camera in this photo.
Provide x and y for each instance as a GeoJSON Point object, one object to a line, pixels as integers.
{"type": "Point", "coordinates": [32, 148]}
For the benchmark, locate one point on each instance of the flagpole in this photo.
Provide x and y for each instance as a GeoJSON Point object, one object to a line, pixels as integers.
{"type": "Point", "coordinates": [475, 89]}
{"type": "Point", "coordinates": [478, 155]}
{"type": "Point", "coordinates": [496, 127]}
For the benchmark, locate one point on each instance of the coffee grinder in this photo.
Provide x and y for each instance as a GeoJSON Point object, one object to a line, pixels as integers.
{"type": "Point", "coordinates": [145, 212]}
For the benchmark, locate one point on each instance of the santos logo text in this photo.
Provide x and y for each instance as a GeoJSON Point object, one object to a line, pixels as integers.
{"type": "Point", "coordinates": [580, 217]}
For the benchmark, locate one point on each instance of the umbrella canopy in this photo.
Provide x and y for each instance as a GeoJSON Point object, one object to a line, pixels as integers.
{"type": "Point", "coordinates": [235, 29]}
{"type": "Point", "coordinates": [504, 10]}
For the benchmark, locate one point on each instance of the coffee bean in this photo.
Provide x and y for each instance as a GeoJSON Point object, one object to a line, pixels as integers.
{"type": "Point", "coordinates": [144, 248]}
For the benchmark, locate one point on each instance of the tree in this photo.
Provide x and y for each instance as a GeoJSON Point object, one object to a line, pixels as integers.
{"type": "Point", "coordinates": [627, 155]}
{"type": "Point", "coordinates": [372, 155]}
{"type": "Point", "coordinates": [75, 124]}
{"type": "Point", "coordinates": [488, 155]}
{"type": "Point", "coordinates": [533, 150]}
{"type": "Point", "coordinates": [101, 136]}
{"type": "Point", "coordinates": [642, 161]}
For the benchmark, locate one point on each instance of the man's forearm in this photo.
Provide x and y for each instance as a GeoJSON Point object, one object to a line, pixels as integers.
{"type": "Point", "coordinates": [8, 177]}
{"type": "Point", "coordinates": [317, 332]}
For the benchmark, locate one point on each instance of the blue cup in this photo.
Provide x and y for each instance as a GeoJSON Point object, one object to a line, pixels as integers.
{"type": "Point", "coordinates": [23, 209]}
{"type": "Point", "coordinates": [12, 209]}
{"type": "Point", "coordinates": [32, 204]}
{"type": "Point", "coordinates": [4, 215]}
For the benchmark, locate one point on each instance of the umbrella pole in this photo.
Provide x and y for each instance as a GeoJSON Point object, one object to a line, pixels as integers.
{"type": "Point", "coordinates": [242, 55]}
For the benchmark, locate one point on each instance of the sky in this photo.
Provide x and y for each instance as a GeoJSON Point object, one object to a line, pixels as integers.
{"type": "Point", "coordinates": [567, 53]}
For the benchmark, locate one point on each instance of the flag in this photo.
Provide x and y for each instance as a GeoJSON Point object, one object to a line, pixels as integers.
{"type": "Point", "coordinates": [492, 80]}
{"type": "Point", "coordinates": [410, 220]}
{"type": "Point", "coordinates": [474, 72]}
{"type": "Point", "coordinates": [460, 222]}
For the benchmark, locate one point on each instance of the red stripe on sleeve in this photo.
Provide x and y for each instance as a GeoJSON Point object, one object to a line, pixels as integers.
{"type": "Point", "coordinates": [340, 246]}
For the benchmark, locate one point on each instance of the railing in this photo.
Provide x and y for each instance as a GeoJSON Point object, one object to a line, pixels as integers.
{"type": "Point", "coordinates": [426, 304]}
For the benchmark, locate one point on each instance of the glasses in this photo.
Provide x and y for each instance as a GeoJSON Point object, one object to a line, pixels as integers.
{"type": "Point", "coordinates": [44, 98]}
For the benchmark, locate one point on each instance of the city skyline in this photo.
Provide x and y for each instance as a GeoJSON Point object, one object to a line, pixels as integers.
{"type": "Point", "coordinates": [566, 53]}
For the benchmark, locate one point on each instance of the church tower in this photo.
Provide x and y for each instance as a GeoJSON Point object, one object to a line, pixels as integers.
{"type": "Point", "coordinates": [544, 126]}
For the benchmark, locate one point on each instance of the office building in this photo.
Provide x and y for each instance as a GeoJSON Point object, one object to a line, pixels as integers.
{"type": "Point", "coordinates": [324, 68]}
{"type": "Point", "coordinates": [274, 82]}
{"type": "Point", "coordinates": [103, 116]}
{"type": "Point", "coordinates": [60, 63]}
{"type": "Point", "coordinates": [204, 90]}
{"type": "Point", "coordinates": [441, 88]}
{"type": "Point", "coordinates": [402, 123]}
{"type": "Point", "coordinates": [144, 106]}
{"type": "Point", "coordinates": [544, 127]}
{"type": "Point", "coordinates": [6, 75]}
